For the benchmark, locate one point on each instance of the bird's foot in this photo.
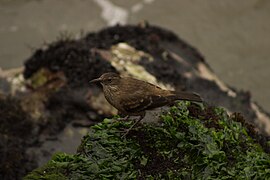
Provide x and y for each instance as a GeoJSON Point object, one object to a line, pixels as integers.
{"type": "Point", "coordinates": [131, 127]}
{"type": "Point", "coordinates": [126, 131]}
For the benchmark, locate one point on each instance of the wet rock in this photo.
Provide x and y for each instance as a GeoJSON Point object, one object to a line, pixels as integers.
{"type": "Point", "coordinates": [179, 146]}
{"type": "Point", "coordinates": [54, 90]}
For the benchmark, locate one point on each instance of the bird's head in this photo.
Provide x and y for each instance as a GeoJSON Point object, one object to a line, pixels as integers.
{"type": "Point", "coordinates": [107, 79]}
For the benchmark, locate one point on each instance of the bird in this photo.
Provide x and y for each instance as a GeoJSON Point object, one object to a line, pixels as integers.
{"type": "Point", "coordinates": [133, 97]}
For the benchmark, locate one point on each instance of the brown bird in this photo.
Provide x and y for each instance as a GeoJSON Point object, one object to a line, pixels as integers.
{"type": "Point", "coordinates": [132, 97]}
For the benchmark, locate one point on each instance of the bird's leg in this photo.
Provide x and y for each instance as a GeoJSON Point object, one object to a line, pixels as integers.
{"type": "Point", "coordinates": [124, 118]}
{"type": "Point", "coordinates": [133, 125]}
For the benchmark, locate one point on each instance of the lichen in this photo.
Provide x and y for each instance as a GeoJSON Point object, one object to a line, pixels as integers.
{"type": "Point", "coordinates": [126, 58]}
{"type": "Point", "coordinates": [208, 144]}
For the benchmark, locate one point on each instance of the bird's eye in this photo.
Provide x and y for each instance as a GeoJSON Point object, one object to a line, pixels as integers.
{"type": "Point", "coordinates": [109, 80]}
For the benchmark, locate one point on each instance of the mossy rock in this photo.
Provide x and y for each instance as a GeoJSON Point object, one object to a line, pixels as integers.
{"type": "Point", "coordinates": [180, 146]}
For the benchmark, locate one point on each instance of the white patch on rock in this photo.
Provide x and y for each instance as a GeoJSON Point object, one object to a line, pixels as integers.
{"type": "Point", "coordinates": [206, 73]}
{"type": "Point", "coordinates": [263, 119]}
{"type": "Point", "coordinates": [126, 60]}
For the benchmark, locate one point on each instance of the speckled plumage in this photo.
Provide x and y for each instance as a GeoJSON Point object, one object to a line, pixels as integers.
{"type": "Point", "coordinates": [133, 97]}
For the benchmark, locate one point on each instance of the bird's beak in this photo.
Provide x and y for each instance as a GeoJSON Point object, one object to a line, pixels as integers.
{"type": "Point", "coordinates": [95, 80]}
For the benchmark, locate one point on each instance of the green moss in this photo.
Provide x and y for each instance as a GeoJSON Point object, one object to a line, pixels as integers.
{"type": "Point", "coordinates": [181, 146]}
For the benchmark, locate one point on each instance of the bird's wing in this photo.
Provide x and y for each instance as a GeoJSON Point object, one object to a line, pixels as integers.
{"type": "Point", "coordinates": [140, 102]}
{"type": "Point", "coordinates": [141, 96]}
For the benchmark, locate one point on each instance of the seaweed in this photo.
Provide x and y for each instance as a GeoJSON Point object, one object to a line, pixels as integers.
{"type": "Point", "coordinates": [17, 133]}
{"type": "Point", "coordinates": [181, 146]}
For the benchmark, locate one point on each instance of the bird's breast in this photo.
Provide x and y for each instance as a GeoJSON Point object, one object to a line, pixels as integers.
{"type": "Point", "coordinates": [112, 94]}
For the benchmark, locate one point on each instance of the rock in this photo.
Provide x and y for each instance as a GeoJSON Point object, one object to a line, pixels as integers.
{"type": "Point", "coordinates": [145, 52]}
{"type": "Point", "coordinates": [204, 143]}
{"type": "Point", "coordinates": [53, 88]}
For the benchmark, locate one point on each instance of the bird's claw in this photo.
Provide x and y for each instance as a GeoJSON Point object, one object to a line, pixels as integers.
{"type": "Point", "coordinates": [124, 132]}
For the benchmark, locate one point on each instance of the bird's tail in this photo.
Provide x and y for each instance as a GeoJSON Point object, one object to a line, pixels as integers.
{"type": "Point", "coordinates": [187, 96]}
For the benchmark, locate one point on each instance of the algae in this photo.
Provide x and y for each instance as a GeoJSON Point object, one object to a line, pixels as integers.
{"type": "Point", "coordinates": [183, 145]}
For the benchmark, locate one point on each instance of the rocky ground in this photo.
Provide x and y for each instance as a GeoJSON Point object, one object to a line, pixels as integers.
{"type": "Point", "coordinates": [52, 91]}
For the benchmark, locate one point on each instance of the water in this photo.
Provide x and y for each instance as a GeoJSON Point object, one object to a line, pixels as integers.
{"type": "Point", "coordinates": [232, 35]}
